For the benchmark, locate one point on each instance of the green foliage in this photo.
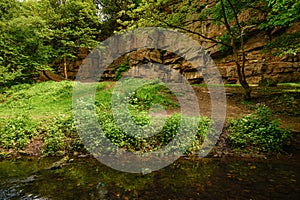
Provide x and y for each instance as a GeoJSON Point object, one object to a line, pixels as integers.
{"type": "Point", "coordinates": [8, 9]}
{"type": "Point", "coordinates": [152, 94]}
{"type": "Point", "coordinates": [22, 50]}
{"type": "Point", "coordinates": [166, 134]}
{"type": "Point", "coordinates": [257, 131]}
{"type": "Point", "coordinates": [281, 13]}
{"type": "Point", "coordinates": [45, 101]}
{"type": "Point", "coordinates": [39, 35]}
{"type": "Point", "coordinates": [54, 143]}
{"type": "Point", "coordinates": [16, 132]}
{"type": "Point", "coordinates": [203, 130]}
{"type": "Point", "coordinates": [50, 98]}
{"type": "Point", "coordinates": [103, 94]}
{"type": "Point", "coordinates": [122, 68]}
{"type": "Point", "coordinates": [74, 27]}
{"type": "Point", "coordinates": [267, 82]}
{"type": "Point", "coordinates": [60, 135]}
{"type": "Point", "coordinates": [38, 99]}
{"type": "Point", "coordinates": [286, 103]}
{"type": "Point", "coordinates": [285, 44]}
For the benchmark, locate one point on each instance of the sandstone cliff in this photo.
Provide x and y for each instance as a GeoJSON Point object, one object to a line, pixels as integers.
{"type": "Point", "coordinates": [260, 64]}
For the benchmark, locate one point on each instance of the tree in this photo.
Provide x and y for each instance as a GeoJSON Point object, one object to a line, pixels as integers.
{"type": "Point", "coordinates": [39, 35]}
{"type": "Point", "coordinates": [74, 26]}
{"type": "Point", "coordinates": [22, 49]}
{"type": "Point", "coordinates": [109, 11]}
{"type": "Point", "coordinates": [193, 16]}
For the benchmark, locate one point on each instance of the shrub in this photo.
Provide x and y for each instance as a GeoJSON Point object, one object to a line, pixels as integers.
{"type": "Point", "coordinates": [60, 135]}
{"type": "Point", "coordinates": [151, 94]}
{"type": "Point", "coordinates": [122, 68]}
{"type": "Point", "coordinates": [17, 132]}
{"type": "Point", "coordinates": [267, 82]}
{"type": "Point", "coordinates": [162, 138]}
{"type": "Point", "coordinates": [257, 131]}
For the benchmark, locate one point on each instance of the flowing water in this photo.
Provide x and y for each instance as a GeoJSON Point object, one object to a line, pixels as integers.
{"type": "Point", "coordinates": [86, 178]}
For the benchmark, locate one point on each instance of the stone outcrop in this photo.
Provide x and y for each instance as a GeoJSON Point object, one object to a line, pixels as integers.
{"type": "Point", "coordinates": [259, 65]}
{"type": "Point", "coordinates": [147, 56]}
{"type": "Point", "coordinates": [258, 68]}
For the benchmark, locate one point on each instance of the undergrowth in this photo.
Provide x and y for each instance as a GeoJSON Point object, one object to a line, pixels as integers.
{"type": "Point", "coordinates": [40, 107]}
{"type": "Point", "coordinates": [257, 131]}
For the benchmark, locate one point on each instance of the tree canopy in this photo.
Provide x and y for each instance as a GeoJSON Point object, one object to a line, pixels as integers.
{"type": "Point", "coordinates": [37, 35]}
{"type": "Point", "coordinates": [41, 35]}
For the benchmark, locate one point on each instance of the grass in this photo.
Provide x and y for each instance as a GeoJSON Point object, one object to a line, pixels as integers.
{"type": "Point", "coordinates": [217, 85]}
{"type": "Point", "coordinates": [40, 100]}
{"type": "Point", "coordinates": [297, 85]}
{"type": "Point", "coordinates": [44, 111]}
{"type": "Point", "coordinates": [37, 100]}
{"type": "Point", "coordinates": [47, 99]}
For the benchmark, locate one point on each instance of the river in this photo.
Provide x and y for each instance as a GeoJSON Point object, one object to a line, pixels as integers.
{"type": "Point", "coordinates": [187, 178]}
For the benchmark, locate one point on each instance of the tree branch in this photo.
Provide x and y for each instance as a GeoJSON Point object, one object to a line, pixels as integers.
{"type": "Point", "coordinates": [226, 23]}
{"type": "Point", "coordinates": [196, 33]}
{"type": "Point", "coordinates": [235, 16]}
{"type": "Point", "coordinates": [189, 22]}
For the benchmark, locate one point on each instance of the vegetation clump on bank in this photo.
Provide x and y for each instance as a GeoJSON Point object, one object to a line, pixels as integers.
{"type": "Point", "coordinates": [257, 131]}
{"type": "Point", "coordinates": [44, 115]}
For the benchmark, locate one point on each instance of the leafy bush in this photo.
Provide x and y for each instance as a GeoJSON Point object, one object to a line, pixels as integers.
{"type": "Point", "coordinates": [17, 132]}
{"type": "Point", "coordinates": [122, 68]}
{"type": "Point", "coordinates": [286, 103]}
{"type": "Point", "coordinates": [162, 138]}
{"type": "Point", "coordinates": [257, 131]}
{"type": "Point", "coordinates": [143, 94]}
{"type": "Point", "coordinates": [267, 82]}
{"type": "Point", "coordinates": [60, 135]}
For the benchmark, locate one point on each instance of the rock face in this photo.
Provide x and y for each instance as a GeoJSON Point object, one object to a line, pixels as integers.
{"type": "Point", "coordinates": [281, 70]}
{"type": "Point", "coordinates": [155, 63]}
{"type": "Point", "coordinates": [259, 65]}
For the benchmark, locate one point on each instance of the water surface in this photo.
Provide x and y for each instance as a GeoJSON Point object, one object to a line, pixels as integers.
{"type": "Point", "coordinates": [86, 178]}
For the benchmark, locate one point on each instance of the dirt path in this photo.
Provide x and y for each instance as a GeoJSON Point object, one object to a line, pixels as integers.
{"type": "Point", "coordinates": [285, 105]}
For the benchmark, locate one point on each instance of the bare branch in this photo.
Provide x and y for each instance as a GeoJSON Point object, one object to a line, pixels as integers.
{"type": "Point", "coordinates": [195, 33]}
{"type": "Point", "coordinates": [235, 16]}
{"type": "Point", "coordinates": [189, 22]}
{"type": "Point", "coordinates": [225, 19]}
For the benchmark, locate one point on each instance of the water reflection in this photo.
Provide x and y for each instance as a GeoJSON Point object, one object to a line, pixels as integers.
{"type": "Point", "coordinates": [86, 178]}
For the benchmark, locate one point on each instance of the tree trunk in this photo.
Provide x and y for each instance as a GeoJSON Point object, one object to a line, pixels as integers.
{"type": "Point", "coordinates": [247, 89]}
{"type": "Point", "coordinates": [241, 73]}
{"type": "Point", "coordinates": [65, 68]}
{"type": "Point", "coordinates": [240, 68]}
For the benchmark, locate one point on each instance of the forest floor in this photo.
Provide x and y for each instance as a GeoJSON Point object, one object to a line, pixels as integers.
{"type": "Point", "coordinates": [284, 102]}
